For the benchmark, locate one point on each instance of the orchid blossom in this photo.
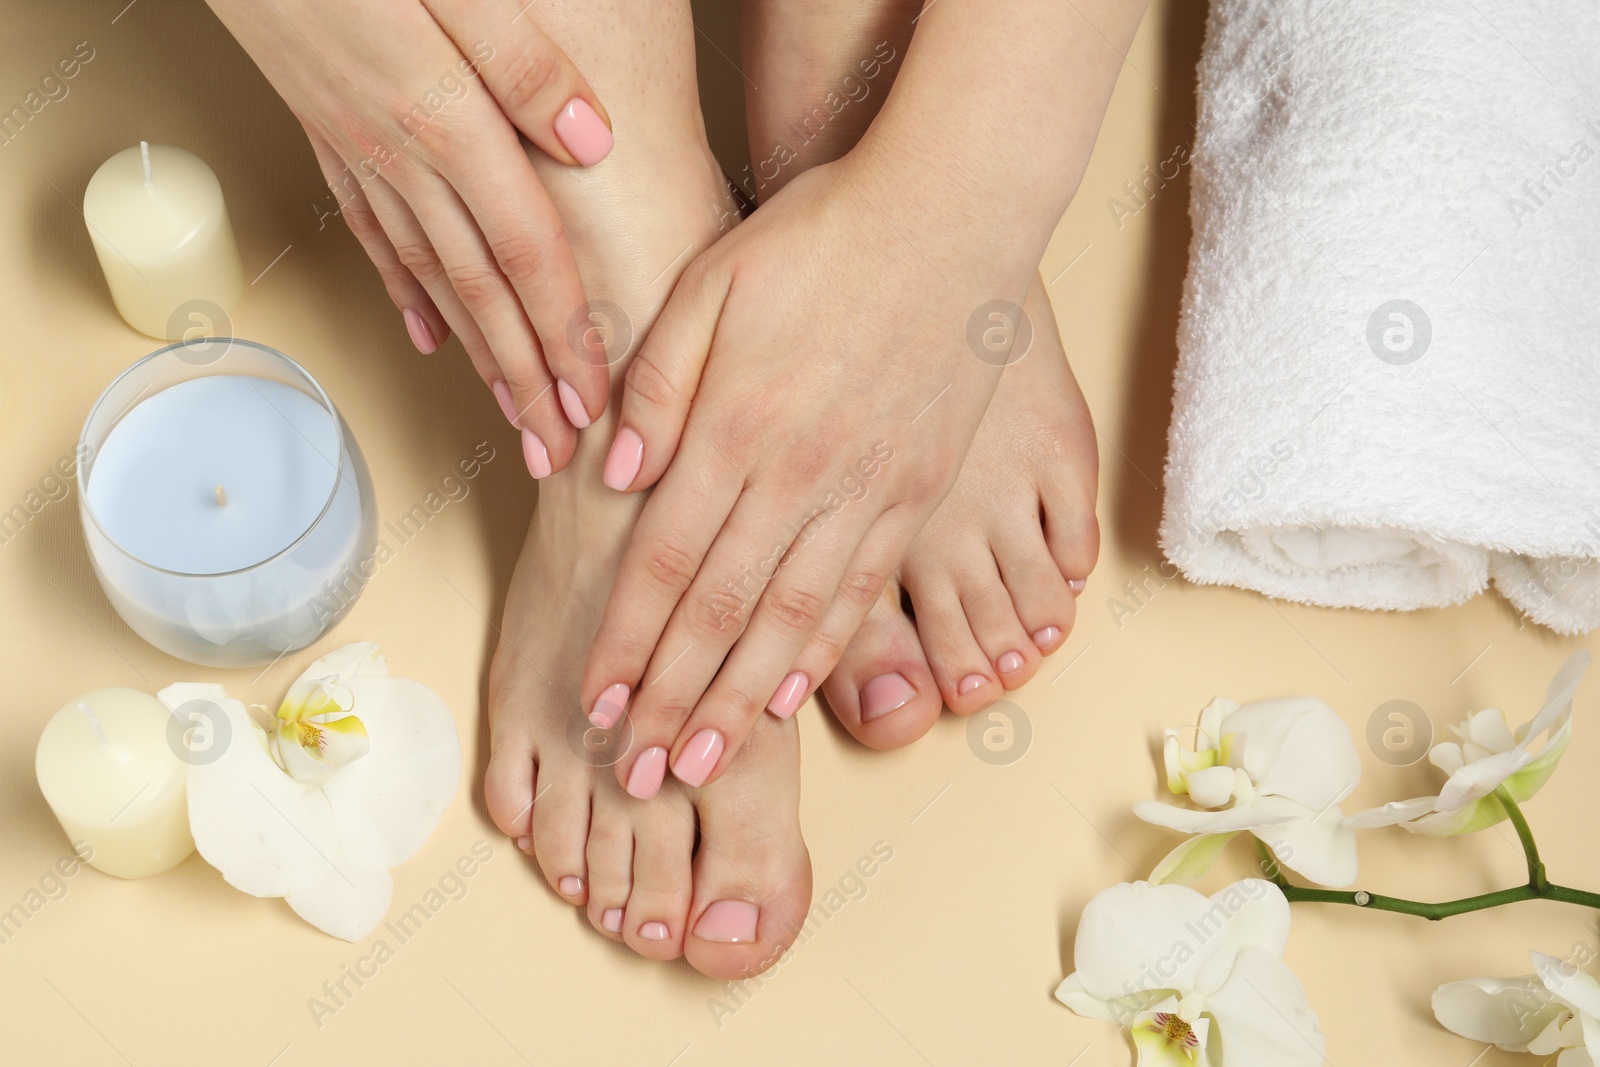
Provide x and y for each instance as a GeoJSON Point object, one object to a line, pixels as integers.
{"type": "Point", "coordinates": [1553, 1012]}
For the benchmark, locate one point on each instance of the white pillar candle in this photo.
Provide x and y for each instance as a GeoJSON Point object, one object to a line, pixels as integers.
{"type": "Point", "coordinates": [161, 232]}
{"type": "Point", "coordinates": [224, 512]}
{"type": "Point", "coordinates": [108, 768]}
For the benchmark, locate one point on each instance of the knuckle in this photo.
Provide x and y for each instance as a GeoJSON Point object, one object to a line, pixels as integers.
{"type": "Point", "coordinates": [669, 711]}
{"type": "Point", "coordinates": [861, 589]}
{"type": "Point", "coordinates": [713, 616]}
{"type": "Point", "coordinates": [648, 381]}
{"type": "Point", "coordinates": [532, 75]}
{"type": "Point", "coordinates": [825, 647]}
{"type": "Point", "coordinates": [420, 258]}
{"type": "Point", "coordinates": [670, 567]}
{"type": "Point", "coordinates": [794, 610]}
{"type": "Point", "coordinates": [479, 285]}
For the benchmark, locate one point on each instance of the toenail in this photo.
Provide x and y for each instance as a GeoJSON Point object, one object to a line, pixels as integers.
{"type": "Point", "coordinates": [969, 683]}
{"type": "Point", "coordinates": [1046, 637]}
{"type": "Point", "coordinates": [572, 404]}
{"type": "Point", "coordinates": [1010, 663]}
{"type": "Point", "coordinates": [789, 695]}
{"type": "Point", "coordinates": [728, 920]}
{"type": "Point", "coordinates": [644, 781]}
{"type": "Point", "coordinates": [884, 694]}
{"type": "Point", "coordinates": [1076, 585]}
{"type": "Point", "coordinates": [570, 885]}
{"type": "Point", "coordinates": [535, 455]}
{"type": "Point", "coordinates": [611, 920]}
{"type": "Point", "coordinates": [524, 843]}
{"type": "Point", "coordinates": [655, 932]}
{"type": "Point", "coordinates": [624, 460]}
{"type": "Point", "coordinates": [609, 706]}
{"type": "Point", "coordinates": [698, 757]}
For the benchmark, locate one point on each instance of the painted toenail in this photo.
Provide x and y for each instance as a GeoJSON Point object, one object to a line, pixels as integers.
{"type": "Point", "coordinates": [789, 695]}
{"type": "Point", "coordinates": [969, 683]}
{"type": "Point", "coordinates": [609, 706]}
{"type": "Point", "coordinates": [611, 920]}
{"type": "Point", "coordinates": [572, 404]}
{"type": "Point", "coordinates": [570, 885]}
{"type": "Point", "coordinates": [697, 758]}
{"type": "Point", "coordinates": [1076, 585]}
{"type": "Point", "coordinates": [624, 460]}
{"type": "Point", "coordinates": [524, 843]}
{"type": "Point", "coordinates": [644, 781]}
{"type": "Point", "coordinates": [1010, 663]}
{"type": "Point", "coordinates": [884, 694]}
{"type": "Point", "coordinates": [535, 455]}
{"type": "Point", "coordinates": [655, 932]}
{"type": "Point", "coordinates": [508, 406]}
{"type": "Point", "coordinates": [733, 921]}
{"type": "Point", "coordinates": [1046, 637]}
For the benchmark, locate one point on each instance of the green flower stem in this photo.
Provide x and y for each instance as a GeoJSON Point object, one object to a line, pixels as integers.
{"type": "Point", "coordinates": [1536, 878]}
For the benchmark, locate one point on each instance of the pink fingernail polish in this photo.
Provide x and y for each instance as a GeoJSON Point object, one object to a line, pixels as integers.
{"type": "Point", "coordinates": [1010, 662]}
{"type": "Point", "coordinates": [884, 694]}
{"type": "Point", "coordinates": [421, 335]}
{"type": "Point", "coordinates": [624, 460]}
{"type": "Point", "coordinates": [609, 705]}
{"type": "Point", "coordinates": [649, 769]}
{"type": "Point", "coordinates": [732, 921]}
{"type": "Point", "coordinates": [570, 885]}
{"type": "Point", "coordinates": [1076, 585]}
{"type": "Point", "coordinates": [1046, 637]}
{"type": "Point", "coordinates": [534, 454]}
{"type": "Point", "coordinates": [790, 693]}
{"type": "Point", "coordinates": [655, 932]}
{"type": "Point", "coordinates": [969, 683]}
{"type": "Point", "coordinates": [508, 406]}
{"type": "Point", "coordinates": [611, 920]}
{"type": "Point", "coordinates": [572, 404]}
{"type": "Point", "coordinates": [584, 132]}
{"type": "Point", "coordinates": [698, 757]}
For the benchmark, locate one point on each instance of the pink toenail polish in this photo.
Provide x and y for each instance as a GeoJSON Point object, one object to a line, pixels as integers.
{"type": "Point", "coordinates": [1010, 662]}
{"type": "Point", "coordinates": [524, 843]}
{"type": "Point", "coordinates": [733, 921]}
{"type": "Point", "coordinates": [1046, 637]}
{"type": "Point", "coordinates": [611, 920]}
{"type": "Point", "coordinates": [421, 336]}
{"type": "Point", "coordinates": [572, 404]}
{"type": "Point", "coordinates": [584, 132]}
{"type": "Point", "coordinates": [789, 695]}
{"type": "Point", "coordinates": [609, 706]}
{"type": "Point", "coordinates": [884, 694]}
{"type": "Point", "coordinates": [655, 932]}
{"type": "Point", "coordinates": [508, 406]}
{"type": "Point", "coordinates": [969, 683]}
{"type": "Point", "coordinates": [698, 757]}
{"type": "Point", "coordinates": [1076, 585]}
{"type": "Point", "coordinates": [644, 781]}
{"type": "Point", "coordinates": [570, 885]}
{"type": "Point", "coordinates": [624, 460]}
{"type": "Point", "coordinates": [534, 454]}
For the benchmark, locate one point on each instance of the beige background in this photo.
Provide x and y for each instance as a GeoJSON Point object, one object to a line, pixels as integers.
{"type": "Point", "coordinates": [952, 954]}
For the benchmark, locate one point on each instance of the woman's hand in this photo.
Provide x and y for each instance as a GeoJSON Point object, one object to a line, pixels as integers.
{"type": "Point", "coordinates": [433, 179]}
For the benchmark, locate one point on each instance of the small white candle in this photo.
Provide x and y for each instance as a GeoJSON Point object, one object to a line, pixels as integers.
{"type": "Point", "coordinates": [109, 771]}
{"type": "Point", "coordinates": [161, 231]}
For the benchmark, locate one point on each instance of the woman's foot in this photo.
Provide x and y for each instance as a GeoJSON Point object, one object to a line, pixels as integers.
{"type": "Point", "coordinates": [992, 578]}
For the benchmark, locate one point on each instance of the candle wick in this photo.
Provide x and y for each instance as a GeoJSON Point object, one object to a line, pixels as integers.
{"type": "Point", "coordinates": [94, 724]}
{"type": "Point", "coordinates": [144, 153]}
{"type": "Point", "coordinates": [222, 497]}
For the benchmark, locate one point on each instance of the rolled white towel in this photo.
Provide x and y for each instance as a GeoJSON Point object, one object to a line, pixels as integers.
{"type": "Point", "coordinates": [1388, 384]}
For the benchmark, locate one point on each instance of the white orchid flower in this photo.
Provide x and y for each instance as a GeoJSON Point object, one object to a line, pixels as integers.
{"type": "Point", "coordinates": [1200, 981]}
{"type": "Point", "coordinates": [352, 778]}
{"type": "Point", "coordinates": [1552, 1012]}
{"type": "Point", "coordinates": [1275, 768]}
{"type": "Point", "coordinates": [1487, 755]}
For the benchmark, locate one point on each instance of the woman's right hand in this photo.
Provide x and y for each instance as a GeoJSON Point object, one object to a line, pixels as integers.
{"type": "Point", "coordinates": [431, 176]}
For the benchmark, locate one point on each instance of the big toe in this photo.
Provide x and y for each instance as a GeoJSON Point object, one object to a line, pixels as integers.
{"type": "Point", "coordinates": [882, 690]}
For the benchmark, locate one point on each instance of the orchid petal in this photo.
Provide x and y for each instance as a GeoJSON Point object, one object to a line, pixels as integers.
{"type": "Point", "coordinates": [1566, 981]}
{"type": "Point", "coordinates": [1481, 777]}
{"type": "Point", "coordinates": [1448, 756]}
{"type": "Point", "coordinates": [1575, 1057]}
{"type": "Point", "coordinates": [1138, 937]}
{"type": "Point", "coordinates": [1392, 813]}
{"type": "Point", "coordinates": [1262, 1016]}
{"type": "Point", "coordinates": [1557, 699]}
{"type": "Point", "coordinates": [1488, 729]}
{"type": "Point", "coordinates": [1297, 747]}
{"type": "Point", "coordinates": [1211, 787]}
{"type": "Point", "coordinates": [1119, 1011]}
{"type": "Point", "coordinates": [1525, 783]}
{"type": "Point", "coordinates": [348, 903]}
{"type": "Point", "coordinates": [1317, 845]}
{"type": "Point", "coordinates": [1189, 821]}
{"type": "Point", "coordinates": [1507, 1012]}
{"type": "Point", "coordinates": [1250, 914]}
{"type": "Point", "coordinates": [1190, 861]}
{"type": "Point", "coordinates": [1212, 719]}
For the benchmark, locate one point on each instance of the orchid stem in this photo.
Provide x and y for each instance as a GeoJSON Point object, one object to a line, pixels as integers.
{"type": "Point", "coordinates": [1536, 877]}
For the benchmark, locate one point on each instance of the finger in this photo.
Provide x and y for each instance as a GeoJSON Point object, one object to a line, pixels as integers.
{"type": "Point", "coordinates": [424, 323]}
{"type": "Point", "coordinates": [661, 381]}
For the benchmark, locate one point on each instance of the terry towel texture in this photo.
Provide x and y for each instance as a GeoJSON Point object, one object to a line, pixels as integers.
{"type": "Point", "coordinates": [1388, 385]}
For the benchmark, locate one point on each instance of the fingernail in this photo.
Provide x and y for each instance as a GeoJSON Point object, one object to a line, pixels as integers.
{"type": "Point", "coordinates": [534, 454]}
{"type": "Point", "coordinates": [611, 920]}
{"type": "Point", "coordinates": [624, 460]}
{"type": "Point", "coordinates": [655, 932]}
{"type": "Point", "coordinates": [421, 336]}
{"type": "Point", "coordinates": [733, 921]}
{"type": "Point", "coordinates": [502, 393]}
{"type": "Point", "coordinates": [1076, 585]}
{"type": "Point", "coordinates": [570, 885]}
{"type": "Point", "coordinates": [523, 843]}
{"type": "Point", "coordinates": [584, 132]}
{"type": "Point", "coordinates": [644, 781]}
{"type": "Point", "coordinates": [609, 706]}
{"type": "Point", "coordinates": [1046, 637]}
{"type": "Point", "coordinates": [789, 695]}
{"type": "Point", "coordinates": [697, 758]}
{"type": "Point", "coordinates": [572, 404]}
{"type": "Point", "coordinates": [884, 694]}
{"type": "Point", "coordinates": [969, 683]}
{"type": "Point", "coordinates": [1010, 662]}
